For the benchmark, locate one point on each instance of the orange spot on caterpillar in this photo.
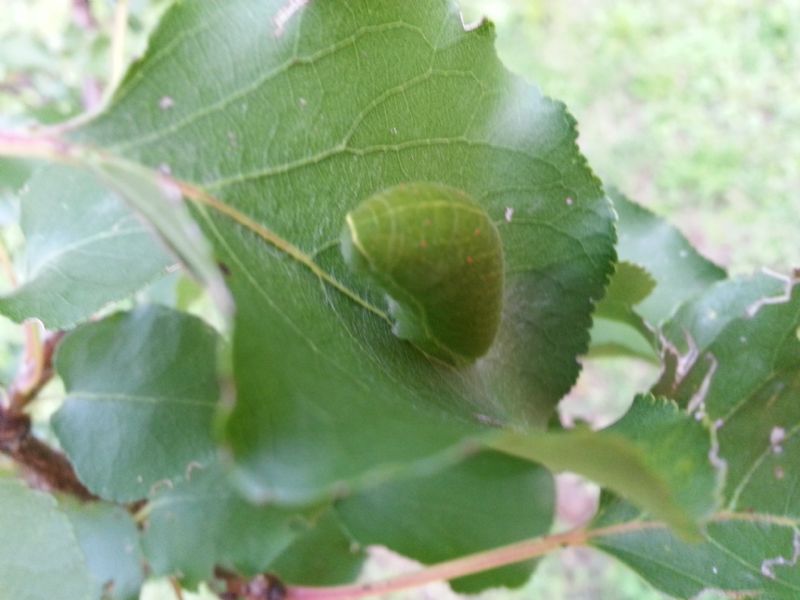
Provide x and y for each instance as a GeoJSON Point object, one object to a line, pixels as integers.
{"type": "Point", "coordinates": [470, 260]}
{"type": "Point", "coordinates": [477, 231]}
{"type": "Point", "coordinates": [423, 244]}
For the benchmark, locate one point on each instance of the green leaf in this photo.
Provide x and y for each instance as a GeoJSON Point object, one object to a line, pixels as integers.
{"type": "Point", "coordinates": [109, 540]}
{"type": "Point", "coordinates": [309, 123]}
{"type": "Point", "coordinates": [629, 286]}
{"type": "Point", "coordinates": [141, 395]}
{"type": "Point", "coordinates": [13, 174]}
{"type": "Point", "coordinates": [439, 258]}
{"type": "Point", "coordinates": [488, 500]}
{"type": "Point", "coordinates": [40, 559]}
{"type": "Point", "coordinates": [657, 253]}
{"type": "Point", "coordinates": [324, 555]}
{"type": "Point", "coordinates": [656, 456]}
{"type": "Point", "coordinates": [202, 522]}
{"type": "Point", "coordinates": [679, 271]}
{"type": "Point", "coordinates": [733, 358]}
{"type": "Point", "coordinates": [160, 200]}
{"type": "Point", "coordinates": [615, 338]}
{"type": "Point", "coordinates": [755, 555]}
{"type": "Point", "coordinates": [84, 249]}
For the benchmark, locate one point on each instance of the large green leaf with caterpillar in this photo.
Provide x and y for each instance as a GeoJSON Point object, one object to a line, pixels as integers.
{"type": "Point", "coordinates": [303, 110]}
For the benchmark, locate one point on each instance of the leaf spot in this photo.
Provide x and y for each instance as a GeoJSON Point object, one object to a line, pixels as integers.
{"type": "Point", "coordinates": [487, 420]}
{"type": "Point", "coordinates": [776, 437]}
{"type": "Point", "coordinates": [165, 169]}
{"type": "Point", "coordinates": [286, 12]}
{"type": "Point", "coordinates": [569, 201]}
{"type": "Point", "coordinates": [193, 466]}
{"type": "Point", "coordinates": [166, 103]}
{"type": "Point", "coordinates": [683, 253]}
{"type": "Point", "coordinates": [778, 472]}
{"type": "Point", "coordinates": [302, 102]}
{"type": "Point", "coordinates": [164, 483]}
{"type": "Point", "coordinates": [170, 189]}
{"type": "Point", "coordinates": [714, 570]}
{"type": "Point", "coordinates": [509, 214]}
{"type": "Point", "coordinates": [393, 130]}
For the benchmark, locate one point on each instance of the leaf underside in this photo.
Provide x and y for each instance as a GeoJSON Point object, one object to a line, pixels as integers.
{"type": "Point", "coordinates": [84, 249]}
{"type": "Point", "coordinates": [297, 118]}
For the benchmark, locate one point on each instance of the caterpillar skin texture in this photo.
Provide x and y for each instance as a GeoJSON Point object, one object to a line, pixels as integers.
{"type": "Point", "coordinates": [438, 257]}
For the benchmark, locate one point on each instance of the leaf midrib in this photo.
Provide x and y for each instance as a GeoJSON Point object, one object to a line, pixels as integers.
{"type": "Point", "coordinates": [94, 395]}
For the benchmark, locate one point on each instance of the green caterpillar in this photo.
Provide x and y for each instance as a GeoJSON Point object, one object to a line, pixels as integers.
{"type": "Point", "coordinates": [439, 258]}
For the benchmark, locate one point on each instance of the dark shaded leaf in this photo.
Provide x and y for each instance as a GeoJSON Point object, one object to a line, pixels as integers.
{"type": "Point", "coordinates": [324, 555]}
{"type": "Point", "coordinates": [488, 500]}
{"type": "Point", "coordinates": [202, 522]}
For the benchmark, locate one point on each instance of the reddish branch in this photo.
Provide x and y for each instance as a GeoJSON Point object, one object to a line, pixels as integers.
{"type": "Point", "coordinates": [36, 369]}
{"type": "Point", "coordinates": [44, 467]}
{"type": "Point", "coordinates": [261, 587]}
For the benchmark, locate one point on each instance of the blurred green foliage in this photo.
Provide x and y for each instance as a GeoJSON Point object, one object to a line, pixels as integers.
{"type": "Point", "coordinates": [690, 107]}
{"type": "Point", "coordinates": [56, 54]}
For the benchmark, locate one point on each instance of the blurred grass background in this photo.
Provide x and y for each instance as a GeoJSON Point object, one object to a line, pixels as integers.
{"type": "Point", "coordinates": [690, 107]}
